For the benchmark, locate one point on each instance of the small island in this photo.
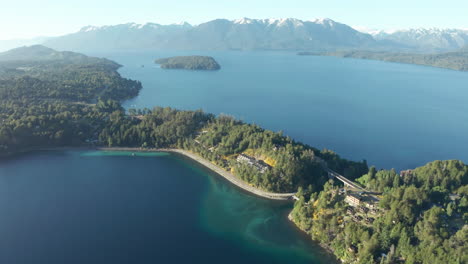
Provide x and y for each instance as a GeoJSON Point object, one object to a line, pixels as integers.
{"type": "Point", "coordinates": [205, 63]}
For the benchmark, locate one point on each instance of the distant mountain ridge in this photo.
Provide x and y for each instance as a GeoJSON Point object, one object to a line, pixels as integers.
{"type": "Point", "coordinates": [219, 34]}
{"type": "Point", "coordinates": [429, 40]}
{"type": "Point", "coordinates": [319, 35]}
{"type": "Point", "coordinates": [14, 43]}
{"type": "Point", "coordinates": [39, 54]}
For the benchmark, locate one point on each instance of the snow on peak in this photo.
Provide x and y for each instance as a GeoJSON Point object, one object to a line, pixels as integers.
{"type": "Point", "coordinates": [89, 28]}
{"type": "Point", "coordinates": [293, 21]}
{"type": "Point", "coordinates": [181, 23]}
{"type": "Point", "coordinates": [152, 25]}
{"type": "Point", "coordinates": [374, 31]}
{"type": "Point", "coordinates": [244, 21]}
{"type": "Point", "coordinates": [269, 21]}
{"type": "Point", "coordinates": [415, 31]}
{"type": "Point", "coordinates": [324, 21]}
{"type": "Point", "coordinates": [135, 25]}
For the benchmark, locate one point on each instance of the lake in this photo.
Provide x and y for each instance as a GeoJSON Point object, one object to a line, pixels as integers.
{"type": "Point", "coordinates": [112, 207]}
{"type": "Point", "coordinates": [393, 115]}
{"type": "Point", "coordinates": [100, 207]}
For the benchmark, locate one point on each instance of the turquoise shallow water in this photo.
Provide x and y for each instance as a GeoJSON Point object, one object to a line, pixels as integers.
{"type": "Point", "coordinates": [394, 115]}
{"type": "Point", "coordinates": [115, 207]}
{"type": "Point", "coordinates": [124, 154]}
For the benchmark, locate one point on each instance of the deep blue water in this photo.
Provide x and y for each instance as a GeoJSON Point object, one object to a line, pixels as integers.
{"type": "Point", "coordinates": [97, 207]}
{"type": "Point", "coordinates": [90, 207]}
{"type": "Point", "coordinates": [393, 115]}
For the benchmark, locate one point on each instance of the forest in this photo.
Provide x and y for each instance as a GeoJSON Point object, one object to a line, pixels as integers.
{"type": "Point", "coordinates": [70, 100]}
{"type": "Point", "coordinates": [422, 217]}
{"type": "Point", "coordinates": [67, 100]}
{"type": "Point", "coordinates": [189, 63]}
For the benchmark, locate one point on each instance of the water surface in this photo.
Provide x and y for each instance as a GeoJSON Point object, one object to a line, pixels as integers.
{"type": "Point", "coordinates": [113, 207]}
{"type": "Point", "coordinates": [394, 115]}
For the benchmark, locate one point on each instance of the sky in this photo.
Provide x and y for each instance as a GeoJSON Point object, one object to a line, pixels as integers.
{"type": "Point", "coordinates": [32, 18]}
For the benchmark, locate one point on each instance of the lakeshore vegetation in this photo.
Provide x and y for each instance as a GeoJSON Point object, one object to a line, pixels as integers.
{"type": "Point", "coordinates": [422, 217]}
{"type": "Point", "coordinates": [451, 60]}
{"type": "Point", "coordinates": [51, 98]}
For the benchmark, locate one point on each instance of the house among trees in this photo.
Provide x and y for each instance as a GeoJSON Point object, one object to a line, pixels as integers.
{"type": "Point", "coordinates": [353, 199]}
{"type": "Point", "coordinates": [259, 164]}
{"type": "Point", "coordinates": [363, 202]}
{"type": "Point", "coordinates": [406, 173]}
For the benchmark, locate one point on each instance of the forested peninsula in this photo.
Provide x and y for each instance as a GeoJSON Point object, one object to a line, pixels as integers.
{"type": "Point", "coordinates": [205, 63]}
{"type": "Point", "coordinates": [64, 99]}
{"type": "Point", "coordinates": [452, 60]}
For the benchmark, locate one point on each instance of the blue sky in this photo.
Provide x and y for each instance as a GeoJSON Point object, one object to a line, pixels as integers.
{"type": "Point", "coordinates": [29, 18]}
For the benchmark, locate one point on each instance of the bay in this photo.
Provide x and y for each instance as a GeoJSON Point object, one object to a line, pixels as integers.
{"type": "Point", "coordinates": [116, 207]}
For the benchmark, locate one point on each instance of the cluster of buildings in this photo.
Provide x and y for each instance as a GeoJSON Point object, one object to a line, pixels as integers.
{"type": "Point", "coordinates": [360, 206]}
{"type": "Point", "coordinates": [358, 218]}
{"type": "Point", "coordinates": [251, 161]}
{"type": "Point", "coordinates": [361, 200]}
{"type": "Point", "coordinates": [353, 200]}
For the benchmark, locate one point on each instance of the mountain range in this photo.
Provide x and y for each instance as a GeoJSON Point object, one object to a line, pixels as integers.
{"type": "Point", "coordinates": [254, 34]}
{"type": "Point", "coordinates": [220, 34]}
{"type": "Point", "coordinates": [426, 39]}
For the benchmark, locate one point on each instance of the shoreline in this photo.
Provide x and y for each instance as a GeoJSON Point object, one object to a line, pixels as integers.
{"type": "Point", "coordinates": [218, 170]}
{"type": "Point", "coordinates": [323, 246]}
{"type": "Point", "coordinates": [243, 186]}
{"type": "Point", "coordinates": [195, 157]}
{"type": "Point", "coordinates": [384, 60]}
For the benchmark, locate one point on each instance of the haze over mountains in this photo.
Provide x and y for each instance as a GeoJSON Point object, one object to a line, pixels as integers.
{"type": "Point", "coordinates": [15, 43]}
{"type": "Point", "coordinates": [255, 34]}
{"type": "Point", "coordinates": [220, 34]}
{"type": "Point", "coordinates": [39, 53]}
{"type": "Point", "coordinates": [426, 39]}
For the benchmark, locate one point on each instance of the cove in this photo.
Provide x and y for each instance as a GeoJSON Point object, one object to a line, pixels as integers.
{"type": "Point", "coordinates": [116, 207]}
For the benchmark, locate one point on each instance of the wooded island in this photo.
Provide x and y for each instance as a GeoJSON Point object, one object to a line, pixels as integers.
{"type": "Point", "coordinates": [189, 63]}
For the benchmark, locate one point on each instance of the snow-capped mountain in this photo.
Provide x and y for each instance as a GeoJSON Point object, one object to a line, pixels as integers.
{"type": "Point", "coordinates": [433, 39]}
{"type": "Point", "coordinates": [123, 36]}
{"type": "Point", "coordinates": [241, 34]}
